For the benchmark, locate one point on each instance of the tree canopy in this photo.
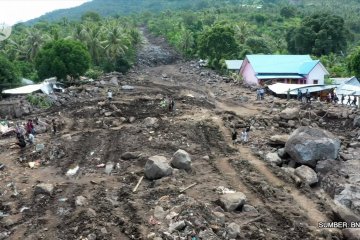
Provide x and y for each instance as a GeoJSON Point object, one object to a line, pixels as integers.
{"type": "Point", "coordinates": [318, 34]}
{"type": "Point", "coordinates": [8, 74]}
{"type": "Point", "coordinates": [218, 42]}
{"type": "Point", "coordinates": [62, 58]}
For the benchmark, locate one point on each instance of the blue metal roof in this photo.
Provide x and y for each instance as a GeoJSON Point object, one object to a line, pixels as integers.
{"type": "Point", "coordinates": [282, 64]}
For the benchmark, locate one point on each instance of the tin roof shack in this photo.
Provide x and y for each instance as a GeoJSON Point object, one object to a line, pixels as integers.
{"type": "Point", "coordinates": [233, 65]}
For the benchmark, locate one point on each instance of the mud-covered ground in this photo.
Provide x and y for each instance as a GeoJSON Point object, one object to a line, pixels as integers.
{"type": "Point", "coordinates": [110, 151]}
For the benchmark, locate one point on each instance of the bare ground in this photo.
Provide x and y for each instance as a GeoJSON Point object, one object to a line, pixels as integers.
{"type": "Point", "coordinates": [113, 211]}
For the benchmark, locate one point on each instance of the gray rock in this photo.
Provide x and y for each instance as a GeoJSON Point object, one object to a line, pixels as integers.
{"type": "Point", "coordinates": [233, 230]}
{"type": "Point", "coordinates": [81, 201]}
{"type": "Point", "coordinates": [129, 155]}
{"type": "Point", "coordinates": [279, 139]}
{"type": "Point", "coordinates": [356, 122]}
{"type": "Point", "coordinates": [151, 122]}
{"type": "Point", "coordinates": [127, 87]}
{"type": "Point", "coordinates": [308, 145]}
{"type": "Point", "coordinates": [349, 197]}
{"type": "Point", "coordinates": [306, 174]}
{"type": "Point", "coordinates": [181, 160]}
{"type": "Point", "coordinates": [273, 159]}
{"type": "Point", "coordinates": [325, 166]}
{"type": "Point", "coordinates": [208, 234]}
{"type": "Point", "coordinates": [132, 119]}
{"type": "Point", "coordinates": [291, 123]}
{"type": "Point", "coordinates": [157, 167]}
{"type": "Point", "coordinates": [281, 152]}
{"type": "Point", "coordinates": [250, 209]}
{"type": "Point", "coordinates": [91, 236]}
{"type": "Point", "coordinates": [114, 81]}
{"type": "Point", "coordinates": [220, 217]}
{"type": "Point", "coordinates": [232, 201]}
{"type": "Point", "coordinates": [159, 213]}
{"type": "Point", "coordinates": [290, 113]}
{"type": "Point", "coordinates": [180, 225]}
{"type": "Point", "coordinates": [109, 167]}
{"type": "Point", "coordinates": [39, 147]}
{"type": "Point", "coordinates": [44, 188]}
{"type": "Point", "coordinates": [351, 233]}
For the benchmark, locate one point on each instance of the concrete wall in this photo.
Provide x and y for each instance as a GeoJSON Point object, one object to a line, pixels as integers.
{"type": "Point", "coordinates": [317, 73]}
{"type": "Point", "coordinates": [248, 74]}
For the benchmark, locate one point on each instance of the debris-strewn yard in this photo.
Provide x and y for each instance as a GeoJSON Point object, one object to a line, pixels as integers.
{"type": "Point", "coordinates": [88, 181]}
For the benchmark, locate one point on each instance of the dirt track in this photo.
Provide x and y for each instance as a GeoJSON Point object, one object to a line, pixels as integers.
{"type": "Point", "coordinates": [112, 210]}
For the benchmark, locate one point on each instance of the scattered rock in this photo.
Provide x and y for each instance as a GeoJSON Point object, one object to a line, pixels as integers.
{"type": "Point", "coordinates": [39, 147]}
{"type": "Point", "coordinates": [281, 153]}
{"type": "Point", "coordinates": [44, 188]}
{"type": "Point", "coordinates": [306, 174]}
{"type": "Point", "coordinates": [273, 158]}
{"type": "Point", "coordinates": [159, 213]}
{"type": "Point", "coordinates": [232, 201]}
{"type": "Point", "coordinates": [349, 197]}
{"type": "Point", "coordinates": [278, 139]}
{"type": "Point", "coordinates": [181, 160]}
{"type": "Point", "coordinates": [177, 226]}
{"type": "Point", "coordinates": [129, 155]}
{"type": "Point", "coordinates": [157, 167]}
{"type": "Point", "coordinates": [290, 113]}
{"type": "Point", "coordinates": [233, 230]}
{"type": "Point", "coordinates": [81, 201]}
{"type": "Point", "coordinates": [132, 119]}
{"type": "Point", "coordinates": [151, 122]}
{"type": "Point", "coordinates": [356, 122]}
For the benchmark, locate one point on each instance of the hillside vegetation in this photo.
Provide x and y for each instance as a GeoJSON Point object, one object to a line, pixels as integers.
{"type": "Point", "coordinates": [209, 29]}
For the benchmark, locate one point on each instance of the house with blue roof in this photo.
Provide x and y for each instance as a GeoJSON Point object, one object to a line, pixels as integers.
{"type": "Point", "coordinates": [293, 69]}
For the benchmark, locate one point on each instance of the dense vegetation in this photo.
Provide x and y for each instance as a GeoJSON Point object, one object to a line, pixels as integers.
{"type": "Point", "coordinates": [68, 48]}
{"type": "Point", "coordinates": [211, 29]}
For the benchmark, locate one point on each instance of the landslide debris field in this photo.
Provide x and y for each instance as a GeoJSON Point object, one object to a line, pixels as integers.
{"type": "Point", "coordinates": [83, 186]}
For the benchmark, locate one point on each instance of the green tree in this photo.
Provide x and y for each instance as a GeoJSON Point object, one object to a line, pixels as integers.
{"type": "Point", "coordinates": [91, 16]}
{"type": "Point", "coordinates": [218, 42]}
{"type": "Point", "coordinates": [8, 74]}
{"type": "Point", "coordinates": [354, 62]}
{"type": "Point", "coordinates": [288, 12]}
{"type": "Point", "coordinates": [62, 58]}
{"type": "Point", "coordinates": [318, 34]}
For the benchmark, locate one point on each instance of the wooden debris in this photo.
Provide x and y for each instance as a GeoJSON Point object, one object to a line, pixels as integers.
{"type": "Point", "coordinates": [190, 186]}
{"type": "Point", "coordinates": [137, 185]}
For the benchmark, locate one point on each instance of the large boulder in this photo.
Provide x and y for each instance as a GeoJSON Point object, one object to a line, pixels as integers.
{"type": "Point", "coordinates": [308, 145]}
{"type": "Point", "coordinates": [181, 160]}
{"type": "Point", "coordinates": [290, 113]}
{"type": "Point", "coordinates": [349, 197]}
{"type": "Point", "coordinates": [232, 201]}
{"type": "Point", "coordinates": [306, 174]}
{"type": "Point", "coordinates": [44, 188]}
{"type": "Point", "coordinates": [151, 122]}
{"type": "Point", "coordinates": [356, 121]}
{"type": "Point", "coordinates": [157, 167]}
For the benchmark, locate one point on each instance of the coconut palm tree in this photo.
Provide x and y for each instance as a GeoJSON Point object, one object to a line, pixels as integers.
{"type": "Point", "coordinates": [116, 43]}
{"type": "Point", "coordinates": [35, 39]}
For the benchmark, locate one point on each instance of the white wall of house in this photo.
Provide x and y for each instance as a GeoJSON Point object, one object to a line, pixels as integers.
{"type": "Point", "coordinates": [317, 73]}
{"type": "Point", "coordinates": [248, 74]}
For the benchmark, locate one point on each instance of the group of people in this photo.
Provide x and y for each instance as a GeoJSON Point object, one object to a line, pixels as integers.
{"type": "Point", "coordinates": [28, 130]}
{"type": "Point", "coordinates": [244, 135]}
{"type": "Point", "coordinates": [300, 95]}
{"type": "Point", "coordinates": [349, 102]}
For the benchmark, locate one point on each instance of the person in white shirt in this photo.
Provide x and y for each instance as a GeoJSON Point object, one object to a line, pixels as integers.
{"type": "Point", "coordinates": [109, 95]}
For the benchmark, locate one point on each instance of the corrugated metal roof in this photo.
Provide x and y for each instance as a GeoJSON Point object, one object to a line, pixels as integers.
{"type": "Point", "coordinates": [278, 63]}
{"type": "Point", "coordinates": [282, 88]}
{"type": "Point", "coordinates": [279, 76]}
{"type": "Point", "coordinates": [233, 64]}
{"type": "Point", "coordinates": [349, 87]}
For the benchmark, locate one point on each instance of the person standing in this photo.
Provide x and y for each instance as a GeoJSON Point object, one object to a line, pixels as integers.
{"type": "Point", "coordinates": [308, 96]}
{"type": "Point", "coordinates": [234, 136]}
{"type": "Point", "coordinates": [299, 95]}
{"type": "Point", "coordinates": [288, 94]}
{"type": "Point", "coordinates": [54, 126]}
{"type": "Point", "coordinates": [348, 100]}
{"type": "Point", "coordinates": [109, 95]}
{"type": "Point", "coordinates": [342, 99]}
{"type": "Point", "coordinates": [262, 93]}
{"type": "Point", "coordinates": [354, 101]}
{"type": "Point", "coordinates": [30, 127]}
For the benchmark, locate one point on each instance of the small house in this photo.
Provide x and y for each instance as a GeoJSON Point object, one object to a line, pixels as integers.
{"type": "Point", "coordinates": [293, 69]}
